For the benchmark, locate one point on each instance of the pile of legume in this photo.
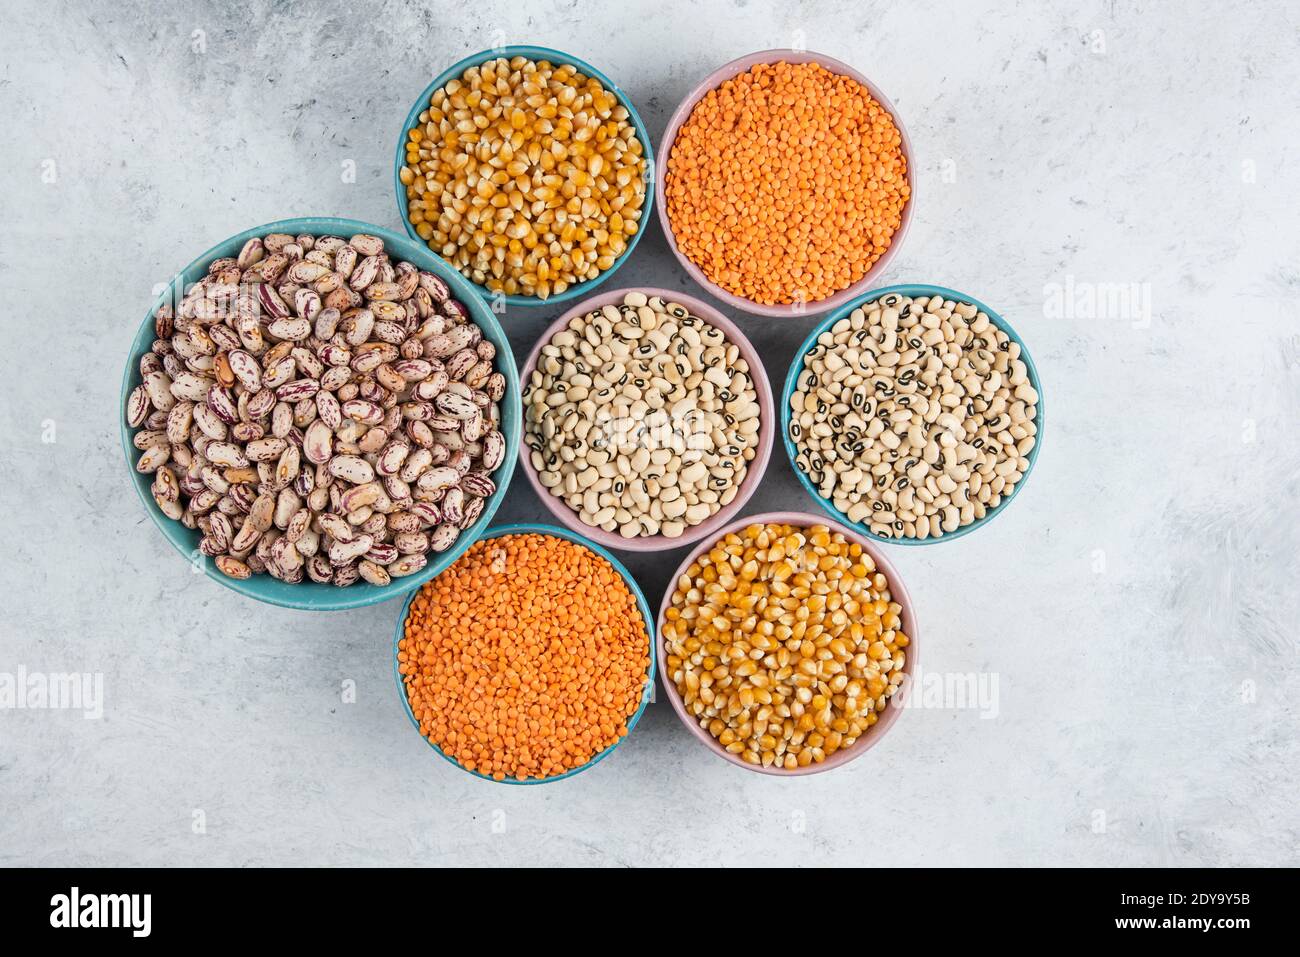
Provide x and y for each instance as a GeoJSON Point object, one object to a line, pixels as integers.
{"type": "Point", "coordinates": [318, 410]}
{"type": "Point", "coordinates": [526, 175]}
{"type": "Point", "coordinates": [642, 417]}
{"type": "Point", "coordinates": [786, 183]}
{"type": "Point", "coordinates": [914, 416]}
{"type": "Point", "coordinates": [784, 643]}
{"type": "Point", "coordinates": [526, 658]}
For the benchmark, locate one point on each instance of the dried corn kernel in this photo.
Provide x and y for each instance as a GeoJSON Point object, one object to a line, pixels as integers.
{"type": "Point", "coordinates": [832, 671]}
{"type": "Point", "coordinates": [527, 152]}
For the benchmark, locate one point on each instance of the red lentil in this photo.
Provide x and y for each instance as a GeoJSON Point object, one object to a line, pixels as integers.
{"type": "Point", "coordinates": [526, 658]}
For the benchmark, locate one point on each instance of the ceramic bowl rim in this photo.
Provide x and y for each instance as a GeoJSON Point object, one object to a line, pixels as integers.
{"type": "Point", "coordinates": [312, 596]}
{"type": "Point", "coordinates": [909, 289]}
{"type": "Point", "coordinates": [754, 472]}
{"type": "Point", "coordinates": [532, 52]}
{"type": "Point", "coordinates": [647, 692]}
{"type": "Point", "coordinates": [679, 117]}
{"type": "Point", "coordinates": [898, 592]}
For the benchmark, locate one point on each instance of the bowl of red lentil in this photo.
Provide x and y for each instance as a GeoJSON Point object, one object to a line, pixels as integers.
{"type": "Point", "coordinates": [529, 659]}
{"type": "Point", "coordinates": [834, 665]}
{"type": "Point", "coordinates": [764, 197]}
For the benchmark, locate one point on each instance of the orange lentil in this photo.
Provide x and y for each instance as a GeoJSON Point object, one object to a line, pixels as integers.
{"type": "Point", "coordinates": [786, 183]}
{"type": "Point", "coordinates": [526, 658]}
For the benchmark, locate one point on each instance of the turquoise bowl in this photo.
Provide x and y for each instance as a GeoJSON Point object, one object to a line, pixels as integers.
{"type": "Point", "coordinates": [907, 289]}
{"type": "Point", "coordinates": [309, 595]}
{"type": "Point", "coordinates": [558, 57]}
{"type": "Point", "coordinates": [566, 534]}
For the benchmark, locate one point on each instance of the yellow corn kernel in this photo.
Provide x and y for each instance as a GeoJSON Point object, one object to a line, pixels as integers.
{"type": "Point", "coordinates": [783, 631]}
{"type": "Point", "coordinates": [529, 139]}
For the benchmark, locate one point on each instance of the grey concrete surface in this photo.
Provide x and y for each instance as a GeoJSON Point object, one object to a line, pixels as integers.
{"type": "Point", "coordinates": [1137, 606]}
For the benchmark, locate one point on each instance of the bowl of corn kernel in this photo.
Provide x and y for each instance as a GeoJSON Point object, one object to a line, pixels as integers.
{"type": "Point", "coordinates": [787, 643]}
{"type": "Point", "coordinates": [528, 170]}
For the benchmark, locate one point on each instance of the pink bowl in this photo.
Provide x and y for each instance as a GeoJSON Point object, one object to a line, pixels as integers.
{"type": "Point", "coordinates": [716, 79]}
{"type": "Point", "coordinates": [753, 474]}
{"type": "Point", "coordinates": [896, 589]}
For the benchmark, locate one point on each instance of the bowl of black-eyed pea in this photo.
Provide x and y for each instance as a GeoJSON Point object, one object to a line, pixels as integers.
{"type": "Point", "coordinates": [914, 413]}
{"type": "Point", "coordinates": [648, 419]}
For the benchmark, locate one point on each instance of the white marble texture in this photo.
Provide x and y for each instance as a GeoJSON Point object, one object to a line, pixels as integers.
{"type": "Point", "coordinates": [1138, 603]}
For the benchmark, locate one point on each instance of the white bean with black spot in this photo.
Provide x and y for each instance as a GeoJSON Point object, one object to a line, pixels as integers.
{"type": "Point", "coordinates": [914, 416]}
{"type": "Point", "coordinates": [641, 417]}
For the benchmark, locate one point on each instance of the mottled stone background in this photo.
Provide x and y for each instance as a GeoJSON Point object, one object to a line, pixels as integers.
{"type": "Point", "coordinates": [1137, 604]}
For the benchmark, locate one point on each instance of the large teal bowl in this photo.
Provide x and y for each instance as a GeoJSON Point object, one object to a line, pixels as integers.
{"type": "Point", "coordinates": [641, 603]}
{"type": "Point", "coordinates": [309, 595]}
{"type": "Point", "coordinates": [907, 289]}
{"type": "Point", "coordinates": [557, 57]}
